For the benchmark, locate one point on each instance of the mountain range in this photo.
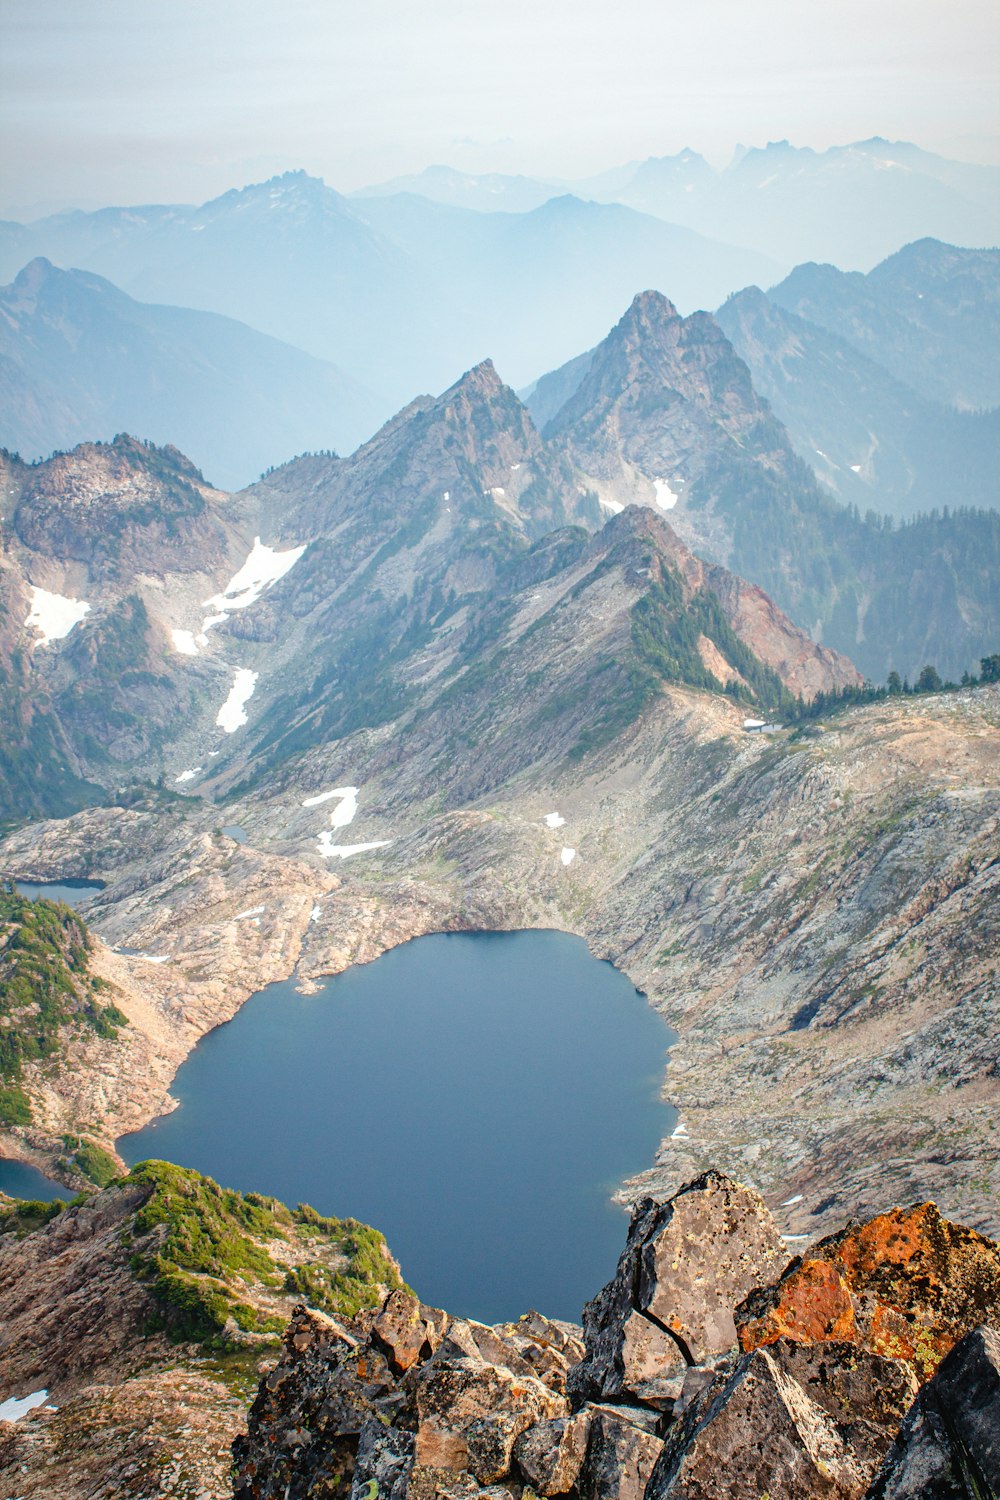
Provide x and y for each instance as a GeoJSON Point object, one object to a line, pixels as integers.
{"type": "Point", "coordinates": [399, 293]}
{"type": "Point", "coordinates": [418, 549]}
{"type": "Point", "coordinates": [80, 360]}
{"type": "Point", "coordinates": [851, 204]}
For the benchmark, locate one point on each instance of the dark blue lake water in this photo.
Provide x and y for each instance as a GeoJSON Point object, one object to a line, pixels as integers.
{"type": "Point", "coordinates": [21, 1181]}
{"type": "Point", "coordinates": [477, 1097]}
{"type": "Point", "coordinates": [70, 891]}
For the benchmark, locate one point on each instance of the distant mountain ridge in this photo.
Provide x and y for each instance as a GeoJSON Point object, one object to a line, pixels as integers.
{"type": "Point", "coordinates": [397, 292]}
{"type": "Point", "coordinates": [79, 360]}
{"type": "Point", "coordinates": [930, 313]}
{"type": "Point", "coordinates": [852, 204]}
{"type": "Point", "coordinates": [871, 439]}
{"type": "Point", "coordinates": [666, 414]}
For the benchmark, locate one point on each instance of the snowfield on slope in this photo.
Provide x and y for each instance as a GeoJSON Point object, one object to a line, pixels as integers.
{"type": "Point", "coordinates": [232, 714]}
{"type": "Point", "coordinates": [53, 615]}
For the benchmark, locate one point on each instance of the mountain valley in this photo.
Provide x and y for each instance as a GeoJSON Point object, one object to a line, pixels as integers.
{"type": "Point", "coordinates": [625, 657]}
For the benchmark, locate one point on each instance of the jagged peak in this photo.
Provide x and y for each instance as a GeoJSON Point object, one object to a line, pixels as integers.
{"type": "Point", "coordinates": [640, 525]}
{"type": "Point", "coordinates": [482, 381]}
{"type": "Point", "coordinates": [652, 307]}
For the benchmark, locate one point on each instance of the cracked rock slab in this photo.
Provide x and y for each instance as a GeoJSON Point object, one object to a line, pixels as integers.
{"type": "Point", "coordinates": [686, 1264]}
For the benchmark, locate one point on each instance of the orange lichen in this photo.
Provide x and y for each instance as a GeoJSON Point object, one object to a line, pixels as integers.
{"type": "Point", "coordinates": [908, 1284]}
{"type": "Point", "coordinates": [815, 1305]}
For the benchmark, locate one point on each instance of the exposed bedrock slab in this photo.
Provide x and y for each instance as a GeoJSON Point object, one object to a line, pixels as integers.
{"type": "Point", "coordinates": [786, 1423]}
{"type": "Point", "coordinates": [686, 1264]}
{"type": "Point", "coordinates": [908, 1284]}
{"type": "Point", "coordinates": [949, 1446]}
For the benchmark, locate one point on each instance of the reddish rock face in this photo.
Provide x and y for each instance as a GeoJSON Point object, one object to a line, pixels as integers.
{"type": "Point", "coordinates": [908, 1284]}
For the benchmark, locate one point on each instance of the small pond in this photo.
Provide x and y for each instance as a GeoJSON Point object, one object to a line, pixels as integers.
{"type": "Point", "coordinates": [72, 892]}
{"type": "Point", "coordinates": [21, 1181]}
{"type": "Point", "coordinates": [477, 1097]}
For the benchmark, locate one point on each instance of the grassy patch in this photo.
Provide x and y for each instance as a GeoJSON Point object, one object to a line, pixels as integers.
{"type": "Point", "coordinates": [46, 987]}
{"type": "Point", "coordinates": [211, 1257]}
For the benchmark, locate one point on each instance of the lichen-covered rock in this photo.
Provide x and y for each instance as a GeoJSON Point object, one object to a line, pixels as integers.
{"type": "Point", "coordinates": [757, 1433]}
{"type": "Point", "coordinates": [408, 1330]}
{"type": "Point", "coordinates": [385, 1460]}
{"type": "Point", "coordinates": [949, 1445]}
{"type": "Point", "coordinates": [304, 1425]}
{"type": "Point", "coordinates": [550, 1455]}
{"type": "Point", "coordinates": [686, 1264]}
{"type": "Point", "coordinates": [908, 1284]}
{"type": "Point", "coordinates": [620, 1458]}
{"type": "Point", "coordinates": [865, 1395]}
{"type": "Point", "coordinates": [550, 1349]}
{"type": "Point", "coordinates": [472, 1413]}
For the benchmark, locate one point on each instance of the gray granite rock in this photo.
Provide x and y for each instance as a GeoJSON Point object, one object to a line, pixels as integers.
{"type": "Point", "coordinates": [949, 1445]}
{"type": "Point", "coordinates": [686, 1264]}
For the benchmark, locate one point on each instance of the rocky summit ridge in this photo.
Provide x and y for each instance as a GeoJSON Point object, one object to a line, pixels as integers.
{"type": "Point", "coordinates": [716, 1364]}
{"type": "Point", "coordinates": [671, 1390]}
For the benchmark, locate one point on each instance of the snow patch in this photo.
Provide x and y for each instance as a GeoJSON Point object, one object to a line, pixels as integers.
{"type": "Point", "coordinates": [855, 468]}
{"type": "Point", "coordinates": [680, 1132]}
{"type": "Point", "coordinates": [232, 714]}
{"type": "Point", "coordinates": [568, 855]}
{"type": "Point", "coordinates": [53, 615]}
{"type": "Point", "coordinates": [666, 498]}
{"type": "Point", "coordinates": [261, 571]}
{"type": "Point", "coordinates": [792, 1239]}
{"type": "Point", "coordinates": [153, 958]}
{"type": "Point", "coordinates": [251, 911]}
{"type": "Point", "coordinates": [553, 820]}
{"type": "Point", "coordinates": [789, 1201]}
{"type": "Point", "coordinates": [315, 914]}
{"type": "Point", "coordinates": [188, 775]}
{"type": "Point", "coordinates": [330, 850]}
{"type": "Point", "coordinates": [342, 815]}
{"type": "Point", "coordinates": [611, 506]}
{"type": "Point", "coordinates": [16, 1407]}
{"type": "Point", "coordinates": [754, 723]}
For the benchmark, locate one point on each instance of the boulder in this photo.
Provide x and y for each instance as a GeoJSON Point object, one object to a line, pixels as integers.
{"type": "Point", "coordinates": [385, 1461]}
{"type": "Point", "coordinates": [549, 1349]}
{"type": "Point", "coordinates": [407, 1329]}
{"type": "Point", "coordinates": [470, 1414]}
{"type": "Point", "coordinates": [949, 1444]}
{"type": "Point", "coordinates": [865, 1395]}
{"type": "Point", "coordinates": [310, 1408]}
{"type": "Point", "coordinates": [757, 1433]}
{"type": "Point", "coordinates": [550, 1455]}
{"type": "Point", "coordinates": [908, 1284]}
{"type": "Point", "coordinates": [686, 1264]}
{"type": "Point", "coordinates": [620, 1456]}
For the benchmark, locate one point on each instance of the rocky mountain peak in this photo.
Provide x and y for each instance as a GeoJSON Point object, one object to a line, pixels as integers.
{"type": "Point", "coordinates": [33, 276]}
{"type": "Point", "coordinates": [663, 395]}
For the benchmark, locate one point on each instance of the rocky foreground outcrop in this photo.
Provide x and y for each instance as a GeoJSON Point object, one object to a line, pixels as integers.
{"type": "Point", "coordinates": [707, 1369]}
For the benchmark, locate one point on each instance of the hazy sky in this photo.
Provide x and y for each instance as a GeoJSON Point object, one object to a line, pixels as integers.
{"type": "Point", "coordinates": [125, 101]}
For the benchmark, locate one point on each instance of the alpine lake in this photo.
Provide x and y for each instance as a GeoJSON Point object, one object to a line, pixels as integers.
{"type": "Point", "coordinates": [477, 1097]}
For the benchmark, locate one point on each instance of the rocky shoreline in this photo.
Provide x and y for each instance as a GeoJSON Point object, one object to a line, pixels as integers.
{"type": "Point", "coordinates": [813, 916]}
